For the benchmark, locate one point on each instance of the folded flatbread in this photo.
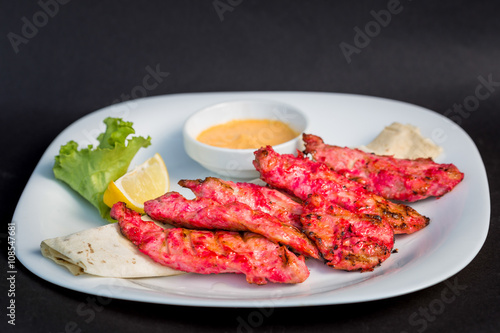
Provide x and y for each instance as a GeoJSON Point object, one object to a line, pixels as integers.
{"type": "Point", "coordinates": [102, 251]}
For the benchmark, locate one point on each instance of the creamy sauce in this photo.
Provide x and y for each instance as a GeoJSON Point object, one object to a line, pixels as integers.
{"type": "Point", "coordinates": [403, 141]}
{"type": "Point", "coordinates": [247, 134]}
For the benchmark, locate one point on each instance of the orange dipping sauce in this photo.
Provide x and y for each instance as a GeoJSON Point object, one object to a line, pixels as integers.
{"type": "Point", "coordinates": [247, 134]}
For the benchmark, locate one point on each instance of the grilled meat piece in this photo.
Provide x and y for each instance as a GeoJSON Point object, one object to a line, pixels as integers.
{"type": "Point", "coordinates": [205, 213]}
{"type": "Point", "coordinates": [389, 177]}
{"type": "Point", "coordinates": [258, 197]}
{"type": "Point", "coordinates": [346, 240]}
{"type": "Point", "coordinates": [302, 177]}
{"type": "Point", "coordinates": [212, 252]}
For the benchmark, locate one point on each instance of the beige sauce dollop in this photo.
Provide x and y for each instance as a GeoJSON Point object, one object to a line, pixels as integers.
{"type": "Point", "coordinates": [247, 134]}
{"type": "Point", "coordinates": [403, 141]}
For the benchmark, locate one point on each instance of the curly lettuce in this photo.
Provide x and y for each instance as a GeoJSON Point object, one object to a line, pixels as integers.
{"type": "Point", "coordinates": [89, 170]}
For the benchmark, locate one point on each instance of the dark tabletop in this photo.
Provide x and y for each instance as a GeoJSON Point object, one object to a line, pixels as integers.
{"type": "Point", "coordinates": [62, 60]}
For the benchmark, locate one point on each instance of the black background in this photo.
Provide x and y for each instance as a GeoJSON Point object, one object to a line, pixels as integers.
{"type": "Point", "coordinates": [89, 53]}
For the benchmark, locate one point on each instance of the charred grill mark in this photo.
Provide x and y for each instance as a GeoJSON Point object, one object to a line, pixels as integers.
{"type": "Point", "coordinates": [227, 186]}
{"type": "Point", "coordinates": [409, 210]}
{"type": "Point", "coordinates": [353, 259]}
{"type": "Point", "coordinates": [374, 216]}
{"type": "Point", "coordinates": [185, 182]}
{"type": "Point", "coordinates": [284, 255]}
{"type": "Point", "coordinates": [394, 215]}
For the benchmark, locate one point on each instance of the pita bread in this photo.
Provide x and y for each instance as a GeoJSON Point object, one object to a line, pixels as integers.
{"type": "Point", "coordinates": [102, 251]}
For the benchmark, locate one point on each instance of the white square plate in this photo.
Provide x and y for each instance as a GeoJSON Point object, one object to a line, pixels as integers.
{"type": "Point", "coordinates": [458, 228]}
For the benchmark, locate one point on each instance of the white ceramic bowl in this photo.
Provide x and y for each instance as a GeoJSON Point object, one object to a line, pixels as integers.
{"type": "Point", "coordinates": [237, 163]}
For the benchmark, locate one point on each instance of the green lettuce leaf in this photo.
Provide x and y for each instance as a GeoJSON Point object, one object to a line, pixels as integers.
{"type": "Point", "coordinates": [89, 170]}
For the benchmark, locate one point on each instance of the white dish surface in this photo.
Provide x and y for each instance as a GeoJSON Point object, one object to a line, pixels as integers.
{"type": "Point", "coordinates": [458, 228]}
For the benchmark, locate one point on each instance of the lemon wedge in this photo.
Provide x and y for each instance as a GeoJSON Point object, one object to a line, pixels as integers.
{"type": "Point", "coordinates": [147, 181]}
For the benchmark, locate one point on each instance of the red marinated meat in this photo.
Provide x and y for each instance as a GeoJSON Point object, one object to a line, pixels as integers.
{"type": "Point", "coordinates": [389, 177]}
{"type": "Point", "coordinates": [302, 177]}
{"type": "Point", "coordinates": [205, 213]}
{"type": "Point", "coordinates": [258, 197]}
{"type": "Point", "coordinates": [212, 252]}
{"type": "Point", "coordinates": [346, 240]}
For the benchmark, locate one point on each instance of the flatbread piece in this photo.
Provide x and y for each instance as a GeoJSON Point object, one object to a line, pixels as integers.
{"type": "Point", "coordinates": [102, 251]}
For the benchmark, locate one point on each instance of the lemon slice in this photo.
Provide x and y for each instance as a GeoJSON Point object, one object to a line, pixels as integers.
{"type": "Point", "coordinates": [147, 181]}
